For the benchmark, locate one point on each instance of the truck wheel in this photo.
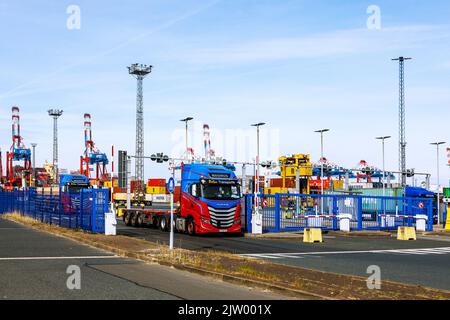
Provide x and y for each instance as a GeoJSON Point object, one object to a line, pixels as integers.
{"type": "Point", "coordinates": [190, 227]}
{"type": "Point", "coordinates": [140, 220]}
{"type": "Point", "coordinates": [135, 221]}
{"type": "Point", "coordinates": [155, 223]}
{"type": "Point", "coordinates": [127, 219]}
{"type": "Point", "coordinates": [163, 224]}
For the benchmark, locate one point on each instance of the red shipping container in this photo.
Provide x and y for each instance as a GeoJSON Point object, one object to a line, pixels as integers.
{"type": "Point", "coordinates": [135, 185]}
{"type": "Point", "coordinates": [177, 194]}
{"type": "Point", "coordinates": [156, 182]}
{"type": "Point", "coordinates": [278, 183]}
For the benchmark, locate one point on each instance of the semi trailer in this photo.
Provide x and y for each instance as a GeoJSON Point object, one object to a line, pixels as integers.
{"type": "Point", "coordinates": [210, 202]}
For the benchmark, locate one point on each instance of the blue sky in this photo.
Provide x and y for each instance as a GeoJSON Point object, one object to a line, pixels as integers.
{"type": "Point", "coordinates": [297, 65]}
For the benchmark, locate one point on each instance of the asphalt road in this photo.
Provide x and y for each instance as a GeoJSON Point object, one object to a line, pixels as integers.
{"type": "Point", "coordinates": [33, 266]}
{"type": "Point", "coordinates": [421, 262]}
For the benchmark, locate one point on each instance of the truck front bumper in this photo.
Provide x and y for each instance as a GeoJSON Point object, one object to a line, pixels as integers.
{"type": "Point", "coordinates": [205, 228]}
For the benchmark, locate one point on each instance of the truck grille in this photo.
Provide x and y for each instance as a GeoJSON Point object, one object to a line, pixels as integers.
{"type": "Point", "coordinates": [222, 218]}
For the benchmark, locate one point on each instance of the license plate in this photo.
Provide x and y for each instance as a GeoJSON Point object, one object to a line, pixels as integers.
{"type": "Point", "coordinates": [224, 231]}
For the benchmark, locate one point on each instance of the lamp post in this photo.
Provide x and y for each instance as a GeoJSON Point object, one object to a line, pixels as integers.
{"type": "Point", "coordinates": [383, 139]}
{"type": "Point", "coordinates": [257, 215]}
{"type": "Point", "coordinates": [186, 120]}
{"type": "Point", "coordinates": [438, 144]}
{"type": "Point", "coordinates": [161, 158]}
{"type": "Point", "coordinates": [34, 145]}
{"type": "Point", "coordinates": [322, 131]}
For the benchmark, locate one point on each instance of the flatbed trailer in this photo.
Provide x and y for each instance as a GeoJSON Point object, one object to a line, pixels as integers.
{"type": "Point", "coordinates": [156, 218]}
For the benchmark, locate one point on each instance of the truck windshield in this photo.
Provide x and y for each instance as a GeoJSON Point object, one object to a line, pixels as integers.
{"type": "Point", "coordinates": [221, 191]}
{"type": "Point", "coordinates": [77, 188]}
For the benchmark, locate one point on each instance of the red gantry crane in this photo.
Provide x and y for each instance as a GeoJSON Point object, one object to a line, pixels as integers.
{"type": "Point", "coordinates": [92, 156]}
{"type": "Point", "coordinates": [17, 176]}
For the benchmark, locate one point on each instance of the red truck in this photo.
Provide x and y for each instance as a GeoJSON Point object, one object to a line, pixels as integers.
{"type": "Point", "coordinates": [210, 203]}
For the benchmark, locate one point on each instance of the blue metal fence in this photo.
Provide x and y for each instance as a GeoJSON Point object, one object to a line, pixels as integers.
{"type": "Point", "coordinates": [84, 210]}
{"type": "Point", "coordinates": [294, 212]}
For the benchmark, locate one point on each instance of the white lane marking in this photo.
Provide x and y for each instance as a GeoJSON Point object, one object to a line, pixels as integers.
{"type": "Point", "coordinates": [263, 256]}
{"type": "Point", "coordinates": [58, 258]}
{"type": "Point", "coordinates": [296, 255]}
{"type": "Point", "coordinates": [284, 255]}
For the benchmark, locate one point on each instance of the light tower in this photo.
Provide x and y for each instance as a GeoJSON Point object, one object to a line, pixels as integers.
{"type": "Point", "coordinates": [55, 114]}
{"type": "Point", "coordinates": [140, 71]}
{"type": "Point", "coordinates": [402, 120]}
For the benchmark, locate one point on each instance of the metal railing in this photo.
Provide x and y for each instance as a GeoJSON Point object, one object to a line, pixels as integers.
{"type": "Point", "coordinates": [82, 210]}
{"type": "Point", "coordinates": [292, 212]}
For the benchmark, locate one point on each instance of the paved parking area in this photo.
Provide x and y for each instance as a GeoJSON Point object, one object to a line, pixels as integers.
{"type": "Point", "coordinates": [34, 266]}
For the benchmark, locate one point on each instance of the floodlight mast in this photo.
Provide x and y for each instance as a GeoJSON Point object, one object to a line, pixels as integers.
{"type": "Point", "coordinates": [139, 71]}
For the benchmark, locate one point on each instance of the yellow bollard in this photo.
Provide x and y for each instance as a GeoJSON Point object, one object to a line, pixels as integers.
{"type": "Point", "coordinates": [312, 235]}
{"type": "Point", "coordinates": [447, 223]}
{"type": "Point", "coordinates": [406, 233]}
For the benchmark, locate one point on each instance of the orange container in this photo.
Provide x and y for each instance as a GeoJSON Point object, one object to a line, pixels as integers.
{"type": "Point", "coordinates": [278, 183]}
{"type": "Point", "coordinates": [177, 194]}
{"type": "Point", "coordinates": [156, 183]}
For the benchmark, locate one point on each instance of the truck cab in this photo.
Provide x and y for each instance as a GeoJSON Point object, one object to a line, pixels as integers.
{"type": "Point", "coordinates": [210, 199]}
{"type": "Point", "coordinates": [70, 188]}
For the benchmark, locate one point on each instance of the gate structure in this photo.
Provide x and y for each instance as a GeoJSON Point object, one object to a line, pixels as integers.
{"type": "Point", "coordinates": [83, 210]}
{"type": "Point", "coordinates": [294, 212]}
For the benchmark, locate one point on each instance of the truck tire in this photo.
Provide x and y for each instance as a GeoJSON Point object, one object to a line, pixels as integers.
{"type": "Point", "coordinates": [127, 219]}
{"type": "Point", "coordinates": [190, 227]}
{"type": "Point", "coordinates": [140, 220]}
{"type": "Point", "coordinates": [155, 223]}
{"type": "Point", "coordinates": [134, 220]}
{"type": "Point", "coordinates": [163, 223]}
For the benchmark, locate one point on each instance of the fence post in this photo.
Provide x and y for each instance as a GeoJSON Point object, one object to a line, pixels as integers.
{"type": "Point", "coordinates": [430, 215]}
{"type": "Point", "coordinates": [277, 212]}
{"type": "Point", "coordinates": [411, 212]}
{"type": "Point", "coordinates": [60, 207]}
{"type": "Point", "coordinates": [94, 204]}
{"type": "Point", "coordinates": [22, 207]}
{"type": "Point", "coordinates": [82, 210]}
{"type": "Point", "coordinates": [77, 211]}
{"type": "Point", "coordinates": [249, 211]}
{"type": "Point", "coordinates": [360, 213]}
{"type": "Point", "coordinates": [335, 211]}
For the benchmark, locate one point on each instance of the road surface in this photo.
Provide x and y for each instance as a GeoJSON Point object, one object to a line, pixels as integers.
{"type": "Point", "coordinates": [421, 262]}
{"type": "Point", "coordinates": [34, 266]}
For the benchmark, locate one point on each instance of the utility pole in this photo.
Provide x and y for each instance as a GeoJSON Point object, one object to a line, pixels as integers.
{"type": "Point", "coordinates": [383, 139]}
{"type": "Point", "coordinates": [438, 144]}
{"type": "Point", "coordinates": [55, 114]}
{"type": "Point", "coordinates": [139, 71]}
{"type": "Point", "coordinates": [257, 216]}
{"type": "Point", "coordinates": [34, 145]}
{"type": "Point", "coordinates": [321, 161]}
{"type": "Point", "coordinates": [402, 120]}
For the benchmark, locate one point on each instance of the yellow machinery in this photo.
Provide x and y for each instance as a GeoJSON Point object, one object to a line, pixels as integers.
{"type": "Point", "coordinates": [293, 167]}
{"type": "Point", "coordinates": [297, 165]}
{"type": "Point", "coordinates": [447, 223]}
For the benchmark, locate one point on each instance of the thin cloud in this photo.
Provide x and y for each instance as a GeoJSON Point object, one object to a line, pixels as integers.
{"type": "Point", "coordinates": [94, 57]}
{"type": "Point", "coordinates": [336, 43]}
